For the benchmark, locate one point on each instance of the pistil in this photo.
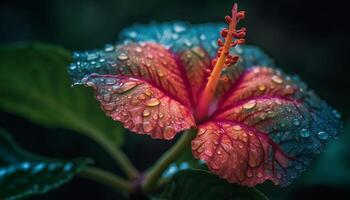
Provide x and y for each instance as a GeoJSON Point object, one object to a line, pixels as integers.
{"type": "Point", "coordinates": [223, 59]}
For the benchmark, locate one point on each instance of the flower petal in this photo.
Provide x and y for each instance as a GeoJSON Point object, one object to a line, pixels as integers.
{"type": "Point", "coordinates": [140, 106]}
{"type": "Point", "coordinates": [147, 61]}
{"type": "Point", "coordinates": [195, 46]}
{"type": "Point", "coordinates": [268, 126]}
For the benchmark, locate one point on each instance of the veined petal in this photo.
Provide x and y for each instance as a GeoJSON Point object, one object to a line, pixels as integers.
{"type": "Point", "coordinates": [195, 46]}
{"type": "Point", "coordinates": [147, 61]}
{"type": "Point", "coordinates": [140, 106]}
{"type": "Point", "coordinates": [268, 127]}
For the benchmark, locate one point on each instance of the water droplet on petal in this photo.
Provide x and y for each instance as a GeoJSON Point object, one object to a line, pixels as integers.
{"type": "Point", "coordinates": [277, 79]}
{"type": "Point", "coordinates": [110, 81]}
{"type": "Point", "coordinates": [123, 57]}
{"type": "Point", "coordinates": [146, 113]}
{"type": "Point", "coordinates": [199, 51]}
{"type": "Point", "coordinates": [147, 127]}
{"type": "Point", "coordinates": [259, 175]}
{"type": "Point", "coordinates": [109, 48]}
{"type": "Point", "coordinates": [127, 87]}
{"type": "Point", "coordinates": [138, 49]}
{"type": "Point", "coordinates": [336, 114]}
{"type": "Point", "coordinates": [262, 87]}
{"type": "Point", "coordinates": [250, 104]}
{"type": "Point", "coordinates": [322, 135]}
{"type": "Point", "coordinates": [153, 102]}
{"type": "Point", "coordinates": [179, 28]}
{"type": "Point", "coordinates": [169, 132]}
{"type": "Point", "coordinates": [237, 127]}
{"type": "Point", "coordinates": [91, 56]}
{"type": "Point", "coordinates": [296, 122]}
{"type": "Point", "coordinates": [249, 173]}
{"type": "Point", "coordinates": [73, 66]}
{"type": "Point", "coordinates": [304, 133]}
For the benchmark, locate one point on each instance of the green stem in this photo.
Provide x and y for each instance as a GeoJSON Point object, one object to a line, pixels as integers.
{"type": "Point", "coordinates": [106, 178]}
{"type": "Point", "coordinates": [118, 156]}
{"type": "Point", "coordinates": [166, 159]}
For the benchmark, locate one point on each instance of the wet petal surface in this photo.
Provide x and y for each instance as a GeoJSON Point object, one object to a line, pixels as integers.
{"type": "Point", "coordinates": [141, 107]}
{"type": "Point", "coordinates": [268, 127]}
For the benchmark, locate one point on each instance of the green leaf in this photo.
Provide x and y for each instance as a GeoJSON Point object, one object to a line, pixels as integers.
{"type": "Point", "coordinates": [34, 84]}
{"type": "Point", "coordinates": [23, 174]}
{"type": "Point", "coordinates": [198, 184]}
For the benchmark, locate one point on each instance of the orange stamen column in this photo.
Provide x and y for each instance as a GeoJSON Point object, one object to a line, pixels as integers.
{"type": "Point", "coordinates": [222, 60]}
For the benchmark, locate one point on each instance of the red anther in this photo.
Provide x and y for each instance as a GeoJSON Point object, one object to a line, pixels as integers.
{"type": "Point", "coordinates": [241, 15]}
{"type": "Point", "coordinates": [224, 32]}
{"type": "Point", "coordinates": [228, 62]}
{"type": "Point", "coordinates": [242, 29]}
{"type": "Point", "coordinates": [234, 43]}
{"type": "Point", "coordinates": [228, 19]}
{"type": "Point", "coordinates": [240, 34]}
{"type": "Point", "coordinates": [213, 62]}
{"type": "Point", "coordinates": [224, 78]}
{"type": "Point", "coordinates": [235, 58]}
{"type": "Point", "coordinates": [220, 43]}
{"type": "Point", "coordinates": [240, 41]}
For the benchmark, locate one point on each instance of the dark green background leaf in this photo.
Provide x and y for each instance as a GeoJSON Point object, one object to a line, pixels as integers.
{"type": "Point", "coordinates": [34, 83]}
{"type": "Point", "coordinates": [198, 184]}
{"type": "Point", "coordinates": [23, 174]}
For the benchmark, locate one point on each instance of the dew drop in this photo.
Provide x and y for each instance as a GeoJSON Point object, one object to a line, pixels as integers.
{"type": "Point", "coordinates": [91, 56]}
{"type": "Point", "coordinates": [237, 127]}
{"type": "Point", "coordinates": [304, 133]}
{"type": "Point", "coordinates": [322, 135]}
{"type": "Point", "coordinates": [68, 166]}
{"type": "Point", "coordinates": [262, 87]}
{"type": "Point", "coordinates": [336, 114]}
{"type": "Point", "coordinates": [153, 102]}
{"type": "Point", "coordinates": [138, 49]}
{"type": "Point", "coordinates": [147, 127]}
{"type": "Point", "coordinates": [73, 66]}
{"type": "Point", "coordinates": [169, 132]}
{"type": "Point", "coordinates": [202, 37]}
{"type": "Point", "coordinates": [259, 175]}
{"type": "Point", "coordinates": [146, 113]}
{"type": "Point", "coordinates": [160, 73]}
{"type": "Point", "coordinates": [199, 52]}
{"type": "Point", "coordinates": [109, 48]}
{"type": "Point", "coordinates": [127, 87]}
{"type": "Point", "coordinates": [277, 79]}
{"type": "Point", "coordinates": [296, 122]}
{"type": "Point", "coordinates": [123, 57]}
{"type": "Point", "coordinates": [249, 173]}
{"type": "Point", "coordinates": [249, 105]}
{"type": "Point", "coordinates": [179, 28]}
{"type": "Point", "coordinates": [110, 81]}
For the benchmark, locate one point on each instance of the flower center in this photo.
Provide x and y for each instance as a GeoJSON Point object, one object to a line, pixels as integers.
{"type": "Point", "coordinates": [223, 59]}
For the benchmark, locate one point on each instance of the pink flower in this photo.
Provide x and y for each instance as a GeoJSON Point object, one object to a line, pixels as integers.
{"type": "Point", "coordinates": [253, 122]}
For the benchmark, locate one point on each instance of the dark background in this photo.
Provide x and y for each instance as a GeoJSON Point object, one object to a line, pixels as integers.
{"type": "Point", "coordinates": [308, 38]}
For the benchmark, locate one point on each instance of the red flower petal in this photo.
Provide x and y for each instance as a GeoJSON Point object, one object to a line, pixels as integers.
{"type": "Point", "coordinates": [196, 62]}
{"type": "Point", "coordinates": [140, 106]}
{"type": "Point", "coordinates": [267, 126]}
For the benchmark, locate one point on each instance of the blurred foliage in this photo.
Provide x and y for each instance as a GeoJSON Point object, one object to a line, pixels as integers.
{"type": "Point", "coordinates": [198, 184]}
{"type": "Point", "coordinates": [35, 85]}
{"type": "Point", "coordinates": [23, 174]}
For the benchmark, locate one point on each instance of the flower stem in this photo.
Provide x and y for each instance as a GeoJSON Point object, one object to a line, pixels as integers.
{"type": "Point", "coordinates": [119, 157]}
{"type": "Point", "coordinates": [106, 178]}
{"type": "Point", "coordinates": [166, 159]}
